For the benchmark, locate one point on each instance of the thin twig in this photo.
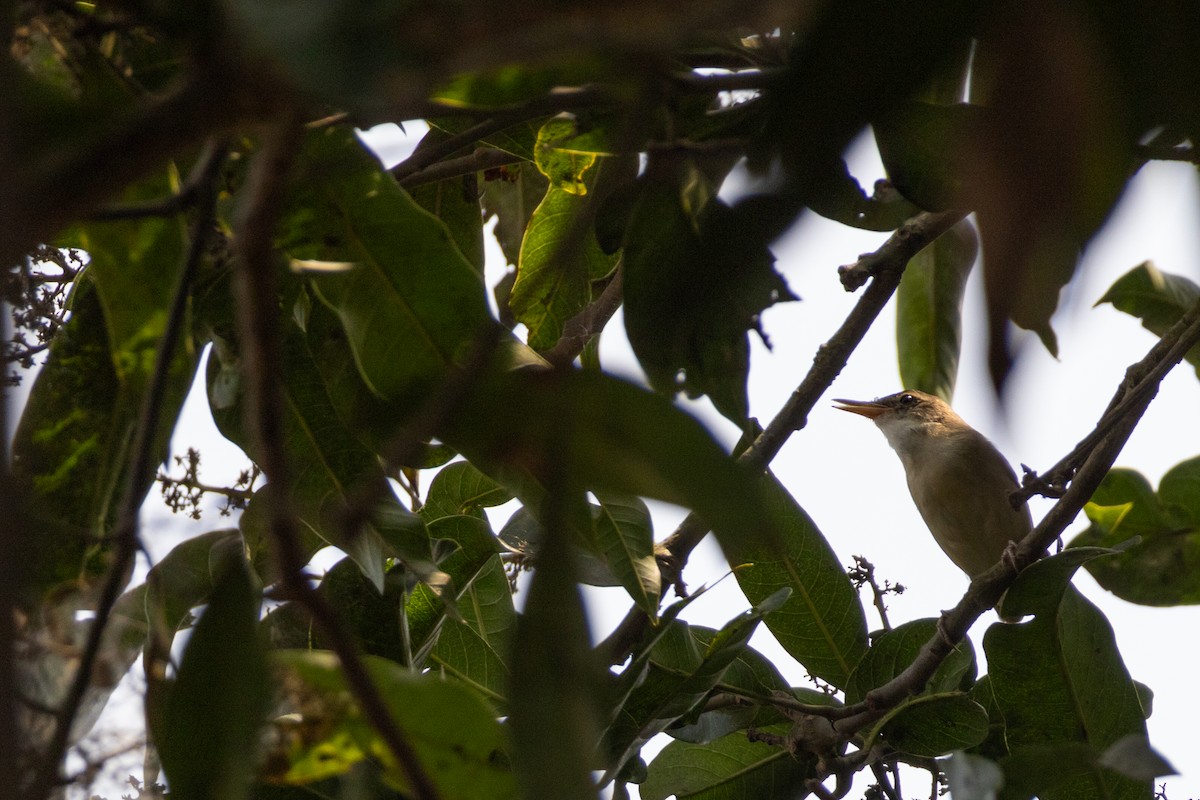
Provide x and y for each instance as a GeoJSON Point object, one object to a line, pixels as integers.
{"type": "Point", "coordinates": [258, 326]}
{"type": "Point", "coordinates": [885, 266]}
{"type": "Point", "coordinates": [1130, 393]}
{"type": "Point", "coordinates": [986, 589]}
{"type": "Point", "coordinates": [125, 533]}
{"type": "Point", "coordinates": [425, 157]}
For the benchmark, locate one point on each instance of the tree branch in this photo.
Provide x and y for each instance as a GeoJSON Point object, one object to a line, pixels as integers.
{"type": "Point", "coordinates": [581, 328]}
{"type": "Point", "coordinates": [1139, 389]}
{"type": "Point", "coordinates": [484, 158]}
{"type": "Point", "coordinates": [885, 266]}
{"type": "Point", "coordinates": [125, 533]}
{"type": "Point", "coordinates": [258, 327]}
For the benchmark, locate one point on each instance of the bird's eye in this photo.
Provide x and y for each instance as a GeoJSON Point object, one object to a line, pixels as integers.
{"type": "Point", "coordinates": [907, 400]}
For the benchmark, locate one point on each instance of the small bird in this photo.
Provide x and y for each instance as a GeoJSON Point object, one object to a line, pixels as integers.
{"type": "Point", "coordinates": [958, 479]}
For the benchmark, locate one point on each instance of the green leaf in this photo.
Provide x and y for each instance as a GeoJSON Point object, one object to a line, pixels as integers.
{"type": "Point", "coordinates": [1059, 680]}
{"type": "Point", "coordinates": [215, 707]}
{"type": "Point", "coordinates": [425, 612]}
{"type": "Point", "coordinates": [1159, 565]}
{"type": "Point", "coordinates": [476, 649]}
{"type": "Point", "coordinates": [1157, 298]}
{"type": "Point", "coordinates": [412, 303]}
{"type": "Point", "coordinates": [454, 734]}
{"type": "Point", "coordinates": [460, 488]}
{"type": "Point", "coordinates": [187, 576]}
{"type": "Point", "coordinates": [71, 445]}
{"type": "Point", "coordinates": [682, 674]}
{"type": "Point", "coordinates": [559, 255]}
{"type": "Point", "coordinates": [731, 768]}
{"type": "Point", "coordinates": [934, 725]}
{"type": "Point", "coordinates": [822, 625]}
{"type": "Point", "coordinates": [892, 653]}
{"type": "Point", "coordinates": [329, 465]}
{"type": "Point", "coordinates": [696, 280]}
{"type": "Point", "coordinates": [554, 713]}
{"type": "Point", "coordinates": [625, 534]}
{"type": "Point", "coordinates": [929, 311]}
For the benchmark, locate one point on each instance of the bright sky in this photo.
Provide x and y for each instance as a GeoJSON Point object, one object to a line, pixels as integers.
{"type": "Point", "coordinates": [841, 469]}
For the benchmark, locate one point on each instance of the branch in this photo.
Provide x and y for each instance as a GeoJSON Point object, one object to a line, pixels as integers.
{"type": "Point", "coordinates": [885, 266]}
{"type": "Point", "coordinates": [581, 328]}
{"type": "Point", "coordinates": [125, 533]}
{"type": "Point", "coordinates": [258, 328]}
{"type": "Point", "coordinates": [484, 158]}
{"type": "Point", "coordinates": [1132, 397]}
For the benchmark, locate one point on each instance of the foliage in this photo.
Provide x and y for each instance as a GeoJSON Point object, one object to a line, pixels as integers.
{"type": "Point", "coordinates": [193, 174]}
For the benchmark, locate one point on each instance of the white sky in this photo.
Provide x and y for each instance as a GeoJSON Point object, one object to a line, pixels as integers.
{"type": "Point", "coordinates": [841, 469]}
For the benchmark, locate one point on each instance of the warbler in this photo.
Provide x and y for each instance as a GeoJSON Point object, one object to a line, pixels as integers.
{"type": "Point", "coordinates": [958, 479]}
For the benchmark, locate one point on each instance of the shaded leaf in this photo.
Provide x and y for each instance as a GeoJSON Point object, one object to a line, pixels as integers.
{"type": "Point", "coordinates": [511, 198]}
{"type": "Point", "coordinates": [604, 434]}
{"type": "Point", "coordinates": [329, 465]}
{"type": "Point", "coordinates": [425, 611]}
{"type": "Point", "coordinates": [1161, 564]}
{"type": "Point", "coordinates": [460, 488]}
{"type": "Point", "coordinates": [477, 648]}
{"type": "Point", "coordinates": [559, 255]}
{"type": "Point", "coordinates": [455, 201]}
{"type": "Point", "coordinates": [929, 311]}
{"type": "Point", "coordinates": [934, 725]}
{"type": "Point", "coordinates": [681, 676]}
{"type": "Point", "coordinates": [555, 704]}
{"type": "Point", "coordinates": [696, 281]}
{"type": "Point", "coordinates": [215, 707]}
{"type": "Point", "coordinates": [71, 445]}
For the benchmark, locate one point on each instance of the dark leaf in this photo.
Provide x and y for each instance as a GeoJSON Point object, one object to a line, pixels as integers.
{"type": "Point", "coordinates": [682, 674]}
{"type": "Point", "coordinates": [696, 281]}
{"type": "Point", "coordinates": [1157, 298]}
{"type": "Point", "coordinates": [454, 201]}
{"type": "Point", "coordinates": [215, 707]}
{"type": "Point", "coordinates": [1059, 680]}
{"type": "Point", "coordinates": [934, 725]}
{"type": "Point", "coordinates": [555, 706]}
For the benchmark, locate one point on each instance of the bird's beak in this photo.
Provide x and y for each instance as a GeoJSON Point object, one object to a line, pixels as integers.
{"type": "Point", "coordinates": [866, 408]}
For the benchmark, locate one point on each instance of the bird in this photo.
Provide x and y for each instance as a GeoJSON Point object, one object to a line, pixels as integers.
{"type": "Point", "coordinates": [958, 480]}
